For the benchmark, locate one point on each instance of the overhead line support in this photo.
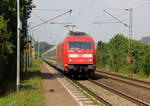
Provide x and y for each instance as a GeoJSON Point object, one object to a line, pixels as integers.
{"type": "Point", "coordinates": [116, 19]}
{"type": "Point", "coordinates": [52, 19]}
{"type": "Point", "coordinates": [130, 29]}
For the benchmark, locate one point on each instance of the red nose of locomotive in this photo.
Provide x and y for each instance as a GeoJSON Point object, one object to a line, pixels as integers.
{"type": "Point", "coordinates": [80, 57]}
{"type": "Point", "coordinates": [76, 55]}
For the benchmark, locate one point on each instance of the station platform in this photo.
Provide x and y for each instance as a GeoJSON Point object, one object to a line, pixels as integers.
{"type": "Point", "coordinates": [54, 92]}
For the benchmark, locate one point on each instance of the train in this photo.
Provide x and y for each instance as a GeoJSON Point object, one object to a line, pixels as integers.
{"type": "Point", "coordinates": [76, 55]}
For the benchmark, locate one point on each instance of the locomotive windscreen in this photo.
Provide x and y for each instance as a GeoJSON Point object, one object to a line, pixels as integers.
{"type": "Point", "coordinates": [79, 45]}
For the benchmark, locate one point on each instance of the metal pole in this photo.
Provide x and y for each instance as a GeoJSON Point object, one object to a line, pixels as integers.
{"type": "Point", "coordinates": [130, 34]}
{"type": "Point", "coordinates": [33, 43]}
{"type": "Point", "coordinates": [24, 63]}
{"type": "Point", "coordinates": [131, 23]}
{"type": "Point", "coordinates": [130, 37]}
{"type": "Point", "coordinates": [27, 61]}
{"type": "Point", "coordinates": [18, 46]}
{"type": "Point", "coordinates": [38, 48]}
{"type": "Point", "coordinates": [30, 46]}
{"type": "Point", "coordinates": [130, 27]}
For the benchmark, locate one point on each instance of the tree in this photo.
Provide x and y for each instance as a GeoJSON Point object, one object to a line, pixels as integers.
{"type": "Point", "coordinates": [116, 51]}
{"type": "Point", "coordinates": [8, 43]}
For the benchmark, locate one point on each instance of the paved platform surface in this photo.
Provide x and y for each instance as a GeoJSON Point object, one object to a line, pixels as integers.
{"type": "Point", "coordinates": [55, 94]}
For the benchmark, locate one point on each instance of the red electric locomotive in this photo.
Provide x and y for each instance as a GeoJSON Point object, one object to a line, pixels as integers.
{"type": "Point", "coordinates": [76, 54]}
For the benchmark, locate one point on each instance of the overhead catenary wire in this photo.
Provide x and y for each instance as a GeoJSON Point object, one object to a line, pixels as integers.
{"type": "Point", "coordinates": [52, 19]}
{"type": "Point", "coordinates": [51, 10]}
{"type": "Point", "coordinates": [101, 23]}
{"type": "Point", "coordinates": [59, 23]}
{"type": "Point", "coordinates": [116, 19]}
{"type": "Point", "coordinates": [38, 17]}
{"type": "Point", "coordinates": [139, 6]}
{"type": "Point", "coordinates": [136, 7]}
{"type": "Point", "coordinates": [83, 10]}
{"type": "Point", "coordinates": [50, 22]}
{"type": "Point", "coordinates": [87, 7]}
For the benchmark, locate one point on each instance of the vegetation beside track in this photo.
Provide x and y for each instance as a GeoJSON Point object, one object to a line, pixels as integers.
{"type": "Point", "coordinates": [138, 76]}
{"type": "Point", "coordinates": [8, 39]}
{"type": "Point", "coordinates": [113, 56]}
{"type": "Point", "coordinates": [31, 91]}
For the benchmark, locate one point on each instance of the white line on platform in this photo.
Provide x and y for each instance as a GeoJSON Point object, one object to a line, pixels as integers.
{"type": "Point", "coordinates": [80, 103]}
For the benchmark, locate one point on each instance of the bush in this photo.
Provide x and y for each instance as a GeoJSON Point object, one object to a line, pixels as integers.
{"type": "Point", "coordinates": [115, 52]}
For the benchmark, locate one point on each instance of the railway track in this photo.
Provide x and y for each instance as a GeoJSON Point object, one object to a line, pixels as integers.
{"type": "Point", "coordinates": [103, 85]}
{"type": "Point", "coordinates": [130, 88]}
{"type": "Point", "coordinates": [124, 95]}
{"type": "Point", "coordinates": [77, 84]}
{"type": "Point", "coordinates": [125, 79]}
{"type": "Point", "coordinates": [101, 99]}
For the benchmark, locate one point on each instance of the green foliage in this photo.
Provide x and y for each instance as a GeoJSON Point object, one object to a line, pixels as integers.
{"type": "Point", "coordinates": [114, 54]}
{"type": "Point", "coordinates": [8, 43]}
{"type": "Point", "coordinates": [31, 92]}
{"type": "Point", "coordinates": [102, 53]}
{"type": "Point", "coordinates": [5, 43]}
{"type": "Point", "coordinates": [6, 47]}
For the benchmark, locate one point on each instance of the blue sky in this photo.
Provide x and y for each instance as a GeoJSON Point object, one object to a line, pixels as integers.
{"type": "Point", "coordinates": [85, 13]}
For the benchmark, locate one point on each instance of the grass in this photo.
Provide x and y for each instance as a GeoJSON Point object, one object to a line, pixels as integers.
{"type": "Point", "coordinates": [31, 91]}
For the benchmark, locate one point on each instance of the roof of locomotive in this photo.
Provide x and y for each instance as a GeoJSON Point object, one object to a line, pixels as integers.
{"type": "Point", "coordinates": [77, 34]}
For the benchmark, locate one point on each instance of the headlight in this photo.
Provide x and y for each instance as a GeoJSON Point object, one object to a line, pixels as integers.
{"type": "Point", "coordinates": [89, 60]}
{"type": "Point", "coordinates": [73, 55]}
{"type": "Point", "coordinates": [70, 60]}
{"type": "Point", "coordinates": [87, 55]}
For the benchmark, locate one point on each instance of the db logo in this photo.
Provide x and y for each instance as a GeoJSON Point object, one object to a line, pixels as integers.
{"type": "Point", "coordinates": [80, 60]}
{"type": "Point", "coordinates": [80, 55]}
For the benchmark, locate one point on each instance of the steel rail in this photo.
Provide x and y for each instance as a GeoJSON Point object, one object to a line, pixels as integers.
{"type": "Point", "coordinates": [135, 79]}
{"type": "Point", "coordinates": [93, 94]}
{"type": "Point", "coordinates": [126, 96]}
{"type": "Point", "coordinates": [106, 103]}
{"type": "Point", "coordinates": [124, 79]}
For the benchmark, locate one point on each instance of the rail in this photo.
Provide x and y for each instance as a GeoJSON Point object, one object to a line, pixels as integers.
{"type": "Point", "coordinates": [98, 98]}
{"type": "Point", "coordinates": [126, 96]}
{"type": "Point", "coordinates": [125, 79]}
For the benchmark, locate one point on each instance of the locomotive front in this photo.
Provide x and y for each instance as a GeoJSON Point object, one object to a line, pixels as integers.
{"type": "Point", "coordinates": [79, 56]}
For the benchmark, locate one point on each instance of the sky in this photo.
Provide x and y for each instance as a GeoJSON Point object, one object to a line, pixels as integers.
{"type": "Point", "coordinates": [84, 14]}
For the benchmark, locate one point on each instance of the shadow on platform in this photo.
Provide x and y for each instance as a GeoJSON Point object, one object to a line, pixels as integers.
{"type": "Point", "coordinates": [46, 75]}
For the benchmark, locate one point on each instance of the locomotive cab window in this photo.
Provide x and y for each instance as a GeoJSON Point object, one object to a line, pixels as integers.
{"type": "Point", "coordinates": [79, 45]}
